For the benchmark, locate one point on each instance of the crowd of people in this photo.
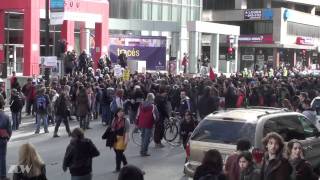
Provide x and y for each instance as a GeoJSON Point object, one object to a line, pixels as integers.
{"type": "Point", "coordinates": [148, 100]}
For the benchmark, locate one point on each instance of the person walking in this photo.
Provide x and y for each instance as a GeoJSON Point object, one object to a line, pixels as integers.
{"type": "Point", "coordinates": [162, 106]}
{"type": "Point", "coordinates": [5, 134]}
{"type": "Point", "coordinates": [302, 169]}
{"type": "Point", "coordinates": [78, 156]}
{"type": "Point", "coordinates": [274, 165]}
{"type": "Point", "coordinates": [82, 107]}
{"type": "Point", "coordinates": [247, 169]}
{"type": "Point", "coordinates": [62, 110]}
{"type": "Point", "coordinates": [29, 158]}
{"type": "Point", "coordinates": [16, 104]}
{"type": "Point", "coordinates": [42, 104]}
{"type": "Point", "coordinates": [121, 127]}
{"type": "Point", "coordinates": [29, 91]}
{"type": "Point", "coordinates": [146, 117]}
{"type": "Point", "coordinates": [211, 167]}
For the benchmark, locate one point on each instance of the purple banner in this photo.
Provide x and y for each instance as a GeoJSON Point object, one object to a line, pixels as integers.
{"type": "Point", "coordinates": [144, 48]}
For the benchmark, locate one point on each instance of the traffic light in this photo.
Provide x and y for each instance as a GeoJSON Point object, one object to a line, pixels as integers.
{"type": "Point", "coordinates": [230, 54]}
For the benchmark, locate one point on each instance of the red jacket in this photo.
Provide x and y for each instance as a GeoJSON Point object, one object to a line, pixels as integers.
{"type": "Point", "coordinates": [145, 116]}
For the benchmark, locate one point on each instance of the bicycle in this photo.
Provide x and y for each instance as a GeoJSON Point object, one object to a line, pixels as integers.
{"type": "Point", "coordinates": [172, 129]}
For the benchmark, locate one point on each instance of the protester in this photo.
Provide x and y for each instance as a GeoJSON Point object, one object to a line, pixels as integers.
{"type": "Point", "coordinates": [274, 165]}
{"type": "Point", "coordinates": [146, 118]}
{"type": "Point", "coordinates": [310, 113]}
{"type": "Point", "coordinates": [187, 126]}
{"type": "Point", "coordinates": [29, 91]}
{"type": "Point", "coordinates": [62, 110]}
{"type": "Point", "coordinates": [16, 104]}
{"type": "Point", "coordinates": [162, 106]}
{"type": "Point", "coordinates": [130, 172]}
{"type": "Point", "coordinates": [29, 158]}
{"type": "Point", "coordinates": [5, 134]}
{"type": "Point", "coordinates": [207, 103]}
{"type": "Point", "coordinates": [211, 167]}
{"type": "Point", "coordinates": [247, 167]}
{"type": "Point", "coordinates": [42, 103]}
{"type": "Point", "coordinates": [121, 126]}
{"type": "Point", "coordinates": [83, 107]}
{"type": "Point", "coordinates": [232, 169]}
{"type": "Point", "coordinates": [78, 156]}
{"type": "Point", "coordinates": [301, 168]}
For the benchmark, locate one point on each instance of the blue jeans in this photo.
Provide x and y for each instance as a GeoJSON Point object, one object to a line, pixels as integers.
{"type": "Point", "coordinates": [145, 139]}
{"type": "Point", "coordinates": [44, 118]}
{"type": "Point", "coordinates": [85, 177]}
{"type": "Point", "coordinates": [15, 120]}
{"type": "Point", "coordinates": [3, 153]}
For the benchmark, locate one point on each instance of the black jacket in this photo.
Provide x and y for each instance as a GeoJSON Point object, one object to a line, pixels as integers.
{"type": "Point", "coordinates": [203, 171]}
{"type": "Point", "coordinates": [302, 170]}
{"type": "Point", "coordinates": [250, 173]}
{"type": "Point", "coordinates": [207, 105]}
{"type": "Point", "coordinates": [276, 169]}
{"type": "Point", "coordinates": [22, 176]}
{"type": "Point", "coordinates": [78, 157]}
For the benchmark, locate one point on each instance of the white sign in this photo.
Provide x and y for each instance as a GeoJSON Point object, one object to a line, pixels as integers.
{"type": "Point", "coordinates": [49, 61]}
{"type": "Point", "coordinates": [56, 18]}
{"type": "Point", "coordinates": [117, 71]}
{"type": "Point", "coordinates": [248, 57]}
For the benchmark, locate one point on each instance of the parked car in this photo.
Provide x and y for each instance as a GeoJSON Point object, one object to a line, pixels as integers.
{"type": "Point", "coordinates": [221, 130]}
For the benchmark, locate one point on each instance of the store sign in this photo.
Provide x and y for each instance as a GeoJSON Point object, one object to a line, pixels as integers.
{"type": "Point", "coordinates": [57, 12]}
{"type": "Point", "coordinates": [151, 49]}
{"type": "Point", "coordinates": [247, 57]}
{"type": "Point", "coordinates": [49, 61]}
{"type": "Point", "coordinates": [252, 14]}
{"type": "Point", "coordinates": [307, 41]}
{"type": "Point", "coordinates": [256, 39]}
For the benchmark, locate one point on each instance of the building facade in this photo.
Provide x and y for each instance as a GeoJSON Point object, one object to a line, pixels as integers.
{"type": "Point", "coordinates": [178, 11]}
{"type": "Point", "coordinates": [22, 31]}
{"type": "Point", "coordinates": [273, 33]}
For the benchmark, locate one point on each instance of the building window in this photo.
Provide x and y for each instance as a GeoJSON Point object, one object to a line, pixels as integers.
{"type": "Point", "coordinates": [297, 29]}
{"type": "Point", "coordinates": [175, 13]}
{"type": "Point", "coordinates": [255, 4]}
{"type": "Point", "coordinates": [166, 13]}
{"type": "Point", "coordinates": [218, 4]}
{"type": "Point", "coordinates": [155, 12]}
{"type": "Point", "coordinates": [146, 11]}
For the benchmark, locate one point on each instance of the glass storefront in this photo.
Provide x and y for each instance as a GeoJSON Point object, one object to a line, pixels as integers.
{"type": "Point", "coordinates": [255, 58]}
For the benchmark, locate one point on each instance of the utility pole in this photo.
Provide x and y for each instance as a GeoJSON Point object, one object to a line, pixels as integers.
{"type": "Point", "coordinates": [47, 38]}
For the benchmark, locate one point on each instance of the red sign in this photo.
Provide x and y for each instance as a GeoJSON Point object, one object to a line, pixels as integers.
{"type": "Point", "coordinates": [256, 39]}
{"type": "Point", "coordinates": [307, 41]}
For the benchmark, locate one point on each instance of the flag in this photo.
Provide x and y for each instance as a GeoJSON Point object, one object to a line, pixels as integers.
{"type": "Point", "coordinates": [211, 74]}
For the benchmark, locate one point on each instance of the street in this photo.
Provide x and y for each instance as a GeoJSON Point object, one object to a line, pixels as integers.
{"type": "Point", "coordinates": [165, 163]}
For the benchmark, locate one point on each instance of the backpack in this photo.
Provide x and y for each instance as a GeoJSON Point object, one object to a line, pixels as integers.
{"type": "Point", "coordinates": [61, 106]}
{"type": "Point", "coordinates": [113, 105]}
{"type": "Point", "coordinates": [16, 104]}
{"type": "Point", "coordinates": [41, 103]}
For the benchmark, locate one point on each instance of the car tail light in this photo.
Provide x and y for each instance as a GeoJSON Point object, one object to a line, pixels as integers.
{"type": "Point", "coordinates": [188, 150]}
{"type": "Point", "coordinates": [257, 155]}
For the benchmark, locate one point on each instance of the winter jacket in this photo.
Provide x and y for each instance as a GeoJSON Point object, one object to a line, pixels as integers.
{"type": "Point", "coordinates": [161, 103]}
{"type": "Point", "coordinates": [78, 157]}
{"type": "Point", "coordinates": [5, 124]}
{"type": "Point", "coordinates": [16, 103]}
{"type": "Point", "coordinates": [275, 169]}
{"type": "Point", "coordinates": [147, 115]}
{"type": "Point", "coordinates": [207, 105]}
{"type": "Point", "coordinates": [251, 173]}
{"type": "Point", "coordinates": [232, 167]}
{"type": "Point", "coordinates": [82, 104]}
{"type": "Point", "coordinates": [185, 105]}
{"type": "Point", "coordinates": [203, 171]}
{"type": "Point", "coordinates": [302, 170]}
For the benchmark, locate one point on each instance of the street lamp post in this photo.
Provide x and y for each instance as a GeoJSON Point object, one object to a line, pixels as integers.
{"type": "Point", "coordinates": [47, 46]}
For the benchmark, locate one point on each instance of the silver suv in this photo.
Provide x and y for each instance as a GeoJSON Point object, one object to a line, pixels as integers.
{"type": "Point", "coordinates": [221, 130]}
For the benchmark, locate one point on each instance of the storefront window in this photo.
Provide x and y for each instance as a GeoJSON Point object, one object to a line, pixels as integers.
{"type": "Point", "coordinates": [15, 36]}
{"type": "Point", "coordinates": [184, 15]}
{"type": "Point", "coordinates": [14, 21]}
{"type": "Point", "coordinates": [146, 11]}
